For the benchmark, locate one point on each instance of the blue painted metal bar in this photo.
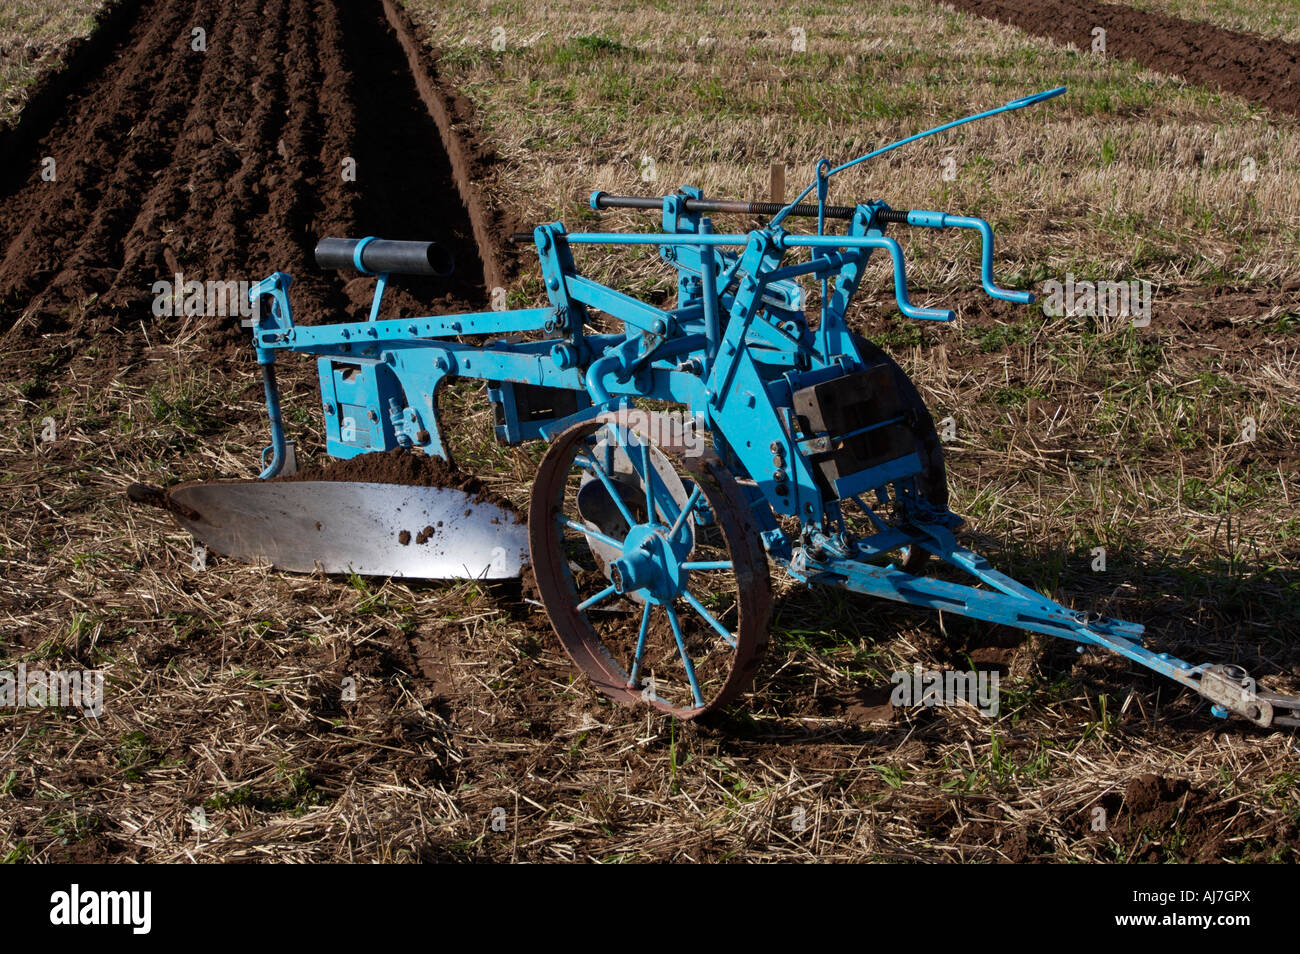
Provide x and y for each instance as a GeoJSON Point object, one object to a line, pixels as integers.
{"type": "Point", "coordinates": [634, 677]}
{"type": "Point", "coordinates": [872, 241]}
{"type": "Point", "coordinates": [942, 220]}
{"type": "Point", "coordinates": [1035, 613]}
{"type": "Point", "coordinates": [686, 657]}
{"type": "Point", "coordinates": [594, 534]}
{"type": "Point", "coordinates": [709, 290]}
{"type": "Point", "coordinates": [278, 444]}
{"type": "Point", "coordinates": [307, 337]}
{"type": "Point", "coordinates": [708, 617]}
{"type": "Point", "coordinates": [684, 512]}
{"type": "Point", "coordinates": [647, 478]}
{"type": "Point", "coordinates": [594, 466]}
{"type": "Point", "coordinates": [630, 310]}
{"type": "Point", "coordinates": [787, 241]}
{"type": "Point", "coordinates": [604, 594]}
{"type": "Point", "coordinates": [822, 263]}
{"type": "Point", "coordinates": [381, 282]}
{"type": "Point", "coordinates": [1020, 103]}
{"type": "Point", "coordinates": [656, 238]}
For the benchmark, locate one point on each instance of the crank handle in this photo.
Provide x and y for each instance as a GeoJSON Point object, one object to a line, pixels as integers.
{"type": "Point", "coordinates": [942, 220]}
{"type": "Point", "coordinates": [896, 256]}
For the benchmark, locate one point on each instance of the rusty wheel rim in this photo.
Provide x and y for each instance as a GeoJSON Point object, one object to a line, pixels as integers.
{"type": "Point", "coordinates": [648, 628]}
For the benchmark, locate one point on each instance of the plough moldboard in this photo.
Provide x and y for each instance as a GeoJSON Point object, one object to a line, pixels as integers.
{"type": "Point", "coordinates": [653, 534]}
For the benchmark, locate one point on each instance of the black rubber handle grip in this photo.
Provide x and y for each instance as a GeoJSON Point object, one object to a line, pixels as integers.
{"type": "Point", "coordinates": [383, 255]}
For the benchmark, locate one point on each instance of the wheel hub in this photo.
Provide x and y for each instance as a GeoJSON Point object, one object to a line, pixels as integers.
{"type": "Point", "coordinates": [650, 567]}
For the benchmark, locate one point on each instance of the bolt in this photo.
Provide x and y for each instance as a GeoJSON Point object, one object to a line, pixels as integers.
{"type": "Point", "coordinates": [782, 490]}
{"type": "Point", "coordinates": [563, 356]}
{"type": "Point", "coordinates": [329, 408]}
{"type": "Point", "coordinates": [422, 436]}
{"type": "Point", "coordinates": [660, 327]}
{"type": "Point", "coordinates": [774, 447]}
{"type": "Point", "coordinates": [553, 283]}
{"type": "Point", "coordinates": [372, 416]}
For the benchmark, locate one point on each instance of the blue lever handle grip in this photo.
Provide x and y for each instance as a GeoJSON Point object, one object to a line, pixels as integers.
{"type": "Point", "coordinates": [896, 256]}
{"type": "Point", "coordinates": [942, 220]}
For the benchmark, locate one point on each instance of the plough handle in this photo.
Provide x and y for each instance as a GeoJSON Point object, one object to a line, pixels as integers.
{"type": "Point", "coordinates": [373, 256]}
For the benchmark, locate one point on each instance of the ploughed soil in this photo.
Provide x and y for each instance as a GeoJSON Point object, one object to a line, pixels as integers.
{"type": "Point", "coordinates": [225, 164]}
{"type": "Point", "coordinates": [251, 715]}
{"type": "Point", "coordinates": [1261, 70]}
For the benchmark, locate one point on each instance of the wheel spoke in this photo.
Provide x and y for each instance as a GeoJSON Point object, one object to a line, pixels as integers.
{"type": "Point", "coordinates": [610, 489]}
{"type": "Point", "coordinates": [708, 617]}
{"type": "Point", "coordinates": [685, 511]}
{"type": "Point", "coordinates": [594, 534]}
{"type": "Point", "coordinates": [686, 657]}
{"type": "Point", "coordinates": [658, 499]}
{"type": "Point", "coordinates": [646, 472]}
{"type": "Point", "coordinates": [707, 565]}
{"type": "Point", "coordinates": [635, 678]}
{"type": "Point", "coordinates": [604, 594]}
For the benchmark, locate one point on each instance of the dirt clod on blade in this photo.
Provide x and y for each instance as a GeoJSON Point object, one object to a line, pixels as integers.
{"type": "Point", "coordinates": [410, 468]}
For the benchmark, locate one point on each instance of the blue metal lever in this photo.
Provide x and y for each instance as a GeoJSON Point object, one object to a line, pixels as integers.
{"type": "Point", "coordinates": [942, 220]}
{"type": "Point", "coordinates": [267, 361]}
{"type": "Point", "coordinates": [823, 174]}
{"type": "Point", "coordinates": [276, 287]}
{"type": "Point", "coordinates": [896, 255]}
